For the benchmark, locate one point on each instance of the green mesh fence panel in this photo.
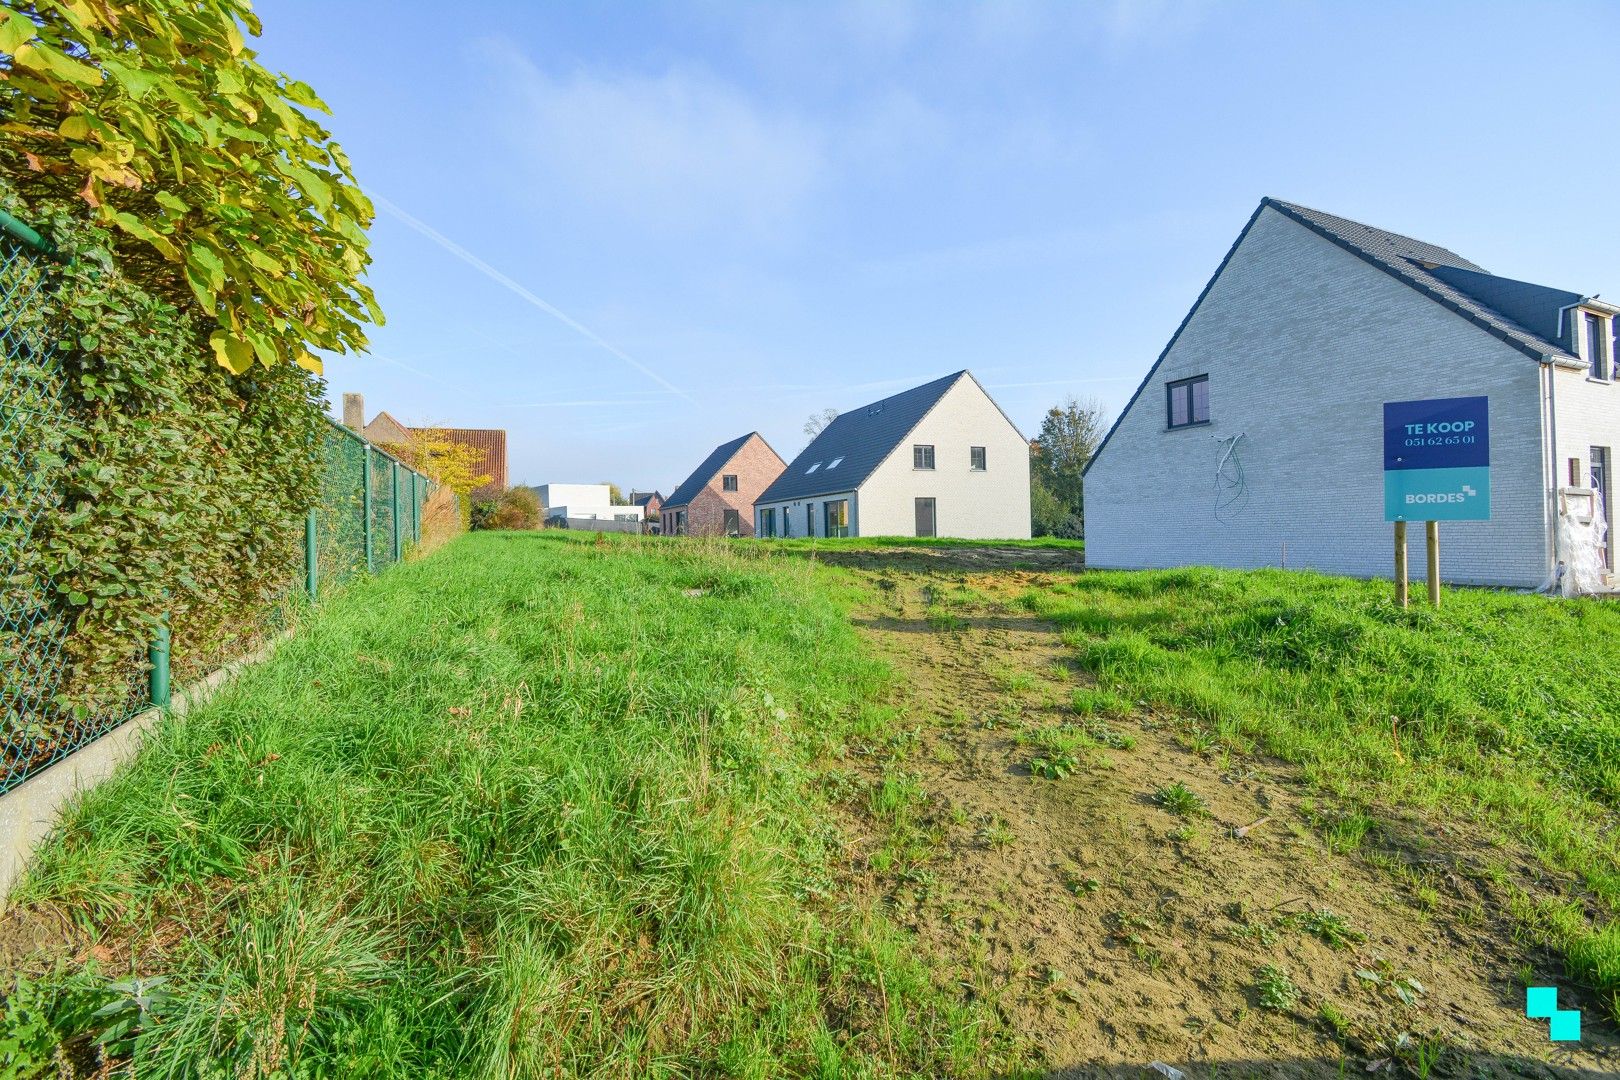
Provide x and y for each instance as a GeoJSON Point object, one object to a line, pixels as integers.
{"type": "Point", "coordinates": [340, 519]}
{"type": "Point", "coordinates": [382, 510]}
{"type": "Point", "coordinates": [35, 731]}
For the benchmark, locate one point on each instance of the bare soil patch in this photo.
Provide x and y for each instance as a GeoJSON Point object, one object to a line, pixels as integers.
{"type": "Point", "coordinates": [1228, 939]}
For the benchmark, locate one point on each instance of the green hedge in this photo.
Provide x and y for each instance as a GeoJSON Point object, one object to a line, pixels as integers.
{"type": "Point", "coordinates": [174, 485]}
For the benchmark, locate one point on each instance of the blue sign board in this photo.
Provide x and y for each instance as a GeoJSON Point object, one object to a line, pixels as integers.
{"type": "Point", "coordinates": [1437, 460]}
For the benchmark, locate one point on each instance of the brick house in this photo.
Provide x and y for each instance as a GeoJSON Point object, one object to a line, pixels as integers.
{"type": "Point", "coordinates": [384, 430]}
{"type": "Point", "coordinates": [1256, 438]}
{"type": "Point", "coordinates": [718, 498]}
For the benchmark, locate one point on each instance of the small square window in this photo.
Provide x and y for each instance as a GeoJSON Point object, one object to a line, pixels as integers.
{"type": "Point", "coordinates": [728, 482]}
{"type": "Point", "coordinates": [976, 458]}
{"type": "Point", "coordinates": [922, 457]}
{"type": "Point", "coordinates": [1187, 402]}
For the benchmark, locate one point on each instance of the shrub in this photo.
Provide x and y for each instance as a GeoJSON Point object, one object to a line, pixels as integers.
{"type": "Point", "coordinates": [517, 508]}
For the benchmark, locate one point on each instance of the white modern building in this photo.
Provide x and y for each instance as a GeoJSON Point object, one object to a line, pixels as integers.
{"type": "Point", "coordinates": [940, 459]}
{"type": "Point", "coordinates": [1256, 438]}
{"type": "Point", "coordinates": [584, 502]}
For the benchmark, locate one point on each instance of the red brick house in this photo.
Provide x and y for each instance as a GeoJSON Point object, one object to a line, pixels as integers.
{"type": "Point", "coordinates": [386, 431]}
{"type": "Point", "coordinates": [718, 498]}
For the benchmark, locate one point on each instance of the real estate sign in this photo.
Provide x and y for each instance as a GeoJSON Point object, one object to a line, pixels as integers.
{"type": "Point", "coordinates": [1437, 460]}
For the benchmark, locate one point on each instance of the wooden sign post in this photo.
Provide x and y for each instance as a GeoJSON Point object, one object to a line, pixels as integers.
{"type": "Point", "coordinates": [1437, 467]}
{"type": "Point", "coordinates": [1431, 533]}
{"type": "Point", "coordinates": [1400, 564]}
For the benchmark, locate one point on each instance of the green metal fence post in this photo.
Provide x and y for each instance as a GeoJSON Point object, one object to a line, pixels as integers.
{"type": "Point", "coordinates": [311, 558]}
{"type": "Point", "coordinates": [158, 654]}
{"type": "Point", "coordinates": [365, 501]}
{"type": "Point", "coordinates": [399, 536]}
{"type": "Point", "coordinates": [416, 508]}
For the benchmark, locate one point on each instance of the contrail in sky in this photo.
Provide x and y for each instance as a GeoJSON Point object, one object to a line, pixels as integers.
{"type": "Point", "coordinates": [501, 279]}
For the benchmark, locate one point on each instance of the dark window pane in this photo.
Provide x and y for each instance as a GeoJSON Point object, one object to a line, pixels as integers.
{"type": "Point", "coordinates": [976, 458]}
{"type": "Point", "coordinates": [1200, 401]}
{"type": "Point", "coordinates": [1596, 347]}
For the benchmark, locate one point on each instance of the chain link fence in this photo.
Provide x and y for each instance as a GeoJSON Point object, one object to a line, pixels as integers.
{"type": "Point", "coordinates": [368, 515]}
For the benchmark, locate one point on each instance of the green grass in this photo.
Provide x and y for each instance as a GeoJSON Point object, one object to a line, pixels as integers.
{"type": "Point", "coordinates": [522, 808]}
{"type": "Point", "coordinates": [872, 543]}
{"type": "Point", "coordinates": [1499, 707]}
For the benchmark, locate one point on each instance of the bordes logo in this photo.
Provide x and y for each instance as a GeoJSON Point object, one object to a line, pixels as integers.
{"type": "Point", "coordinates": [1430, 497]}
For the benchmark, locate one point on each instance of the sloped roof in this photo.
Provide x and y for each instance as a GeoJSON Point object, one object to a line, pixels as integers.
{"type": "Point", "coordinates": [1438, 273]}
{"type": "Point", "coordinates": [1534, 307]}
{"type": "Point", "coordinates": [643, 498]}
{"type": "Point", "coordinates": [712, 464]}
{"type": "Point", "coordinates": [1404, 258]}
{"type": "Point", "coordinates": [862, 438]}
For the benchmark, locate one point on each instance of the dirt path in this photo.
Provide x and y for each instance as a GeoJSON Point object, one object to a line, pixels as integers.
{"type": "Point", "coordinates": [1225, 940]}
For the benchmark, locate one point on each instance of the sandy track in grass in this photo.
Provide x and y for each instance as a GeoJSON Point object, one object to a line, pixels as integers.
{"type": "Point", "coordinates": [1113, 932]}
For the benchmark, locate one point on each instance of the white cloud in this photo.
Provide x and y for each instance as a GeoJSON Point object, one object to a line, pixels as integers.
{"type": "Point", "coordinates": [1129, 22]}
{"type": "Point", "coordinates": [679, 151]}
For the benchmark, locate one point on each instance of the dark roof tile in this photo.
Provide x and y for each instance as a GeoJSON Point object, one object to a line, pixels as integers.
{"type": "Point", "coordinates": [859, 440]}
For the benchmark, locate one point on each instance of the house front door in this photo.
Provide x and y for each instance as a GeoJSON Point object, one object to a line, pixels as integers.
{"type": "Point", "coordinates": [925, 517]}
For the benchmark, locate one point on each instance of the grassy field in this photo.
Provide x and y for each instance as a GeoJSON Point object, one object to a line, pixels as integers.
{"type": "Point", "coordinates": [536, 804]}
{"type": "Point", "coordinates": [1499, 708]}
{"type": "Point", "coordinates": [873, 543]}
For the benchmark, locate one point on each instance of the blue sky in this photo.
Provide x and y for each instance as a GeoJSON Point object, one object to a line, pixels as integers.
{"type": "Point", "coordinates": [681, 222]}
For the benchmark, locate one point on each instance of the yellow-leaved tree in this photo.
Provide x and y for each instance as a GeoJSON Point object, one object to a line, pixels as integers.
{"type": "Point", "coordinates": [221, 191]}
{"type": "Point", "coordinates": [442, 459]}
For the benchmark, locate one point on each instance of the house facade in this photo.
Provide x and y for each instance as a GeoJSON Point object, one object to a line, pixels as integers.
{"type": "Point", "coordinates": [940, 459]}
{"type": "Point", "coordinates": [718, 498]}
{"type": "Point", "coordinates": [579, 505]}
{"type": "Point", "coordinates": [1256, 438]}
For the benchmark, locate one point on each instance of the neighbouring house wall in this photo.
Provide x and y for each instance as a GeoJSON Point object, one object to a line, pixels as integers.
{"type": "Point", "coordinates": [988, 505]}
{"type": "Point", "coordinates": [574, 494]}
{"type": "Point", "coordinates": [602, 511]}
{"type": "Point", "coordinates": [1588, 415]}
{"type": "Point", "coordinates": [384, 430]}
{"type": "Point", "coordinates": [794, 512]}
{"type": "Point", "coordinates": [1304, 343]}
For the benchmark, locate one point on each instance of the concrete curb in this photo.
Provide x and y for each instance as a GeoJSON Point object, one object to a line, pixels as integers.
{"type": "Point", "coordinates": [29, 811]}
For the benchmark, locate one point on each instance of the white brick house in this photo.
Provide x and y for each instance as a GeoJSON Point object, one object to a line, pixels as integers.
{"type": "Point", "coordinates": [1256, 438]}
{"type": "Point", "coordinates": [940, 459]}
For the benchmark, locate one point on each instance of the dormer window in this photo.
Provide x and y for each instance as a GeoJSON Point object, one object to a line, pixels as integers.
{"type": "Point", "coordinates": [1597, 345]}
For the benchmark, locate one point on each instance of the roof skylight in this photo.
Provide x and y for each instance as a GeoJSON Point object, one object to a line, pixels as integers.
{"type": "Point", "coordinates": [833, 464]}
{"type": "Point", "coordinates": [812, 468]}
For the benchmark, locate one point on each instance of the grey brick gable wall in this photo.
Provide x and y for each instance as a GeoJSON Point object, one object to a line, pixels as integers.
{"type": "Point", "coordinates": [1303, 343]}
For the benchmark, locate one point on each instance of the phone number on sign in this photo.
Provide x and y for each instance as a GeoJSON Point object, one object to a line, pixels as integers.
{"type": "Point", "coordinates": [1442, 440]}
